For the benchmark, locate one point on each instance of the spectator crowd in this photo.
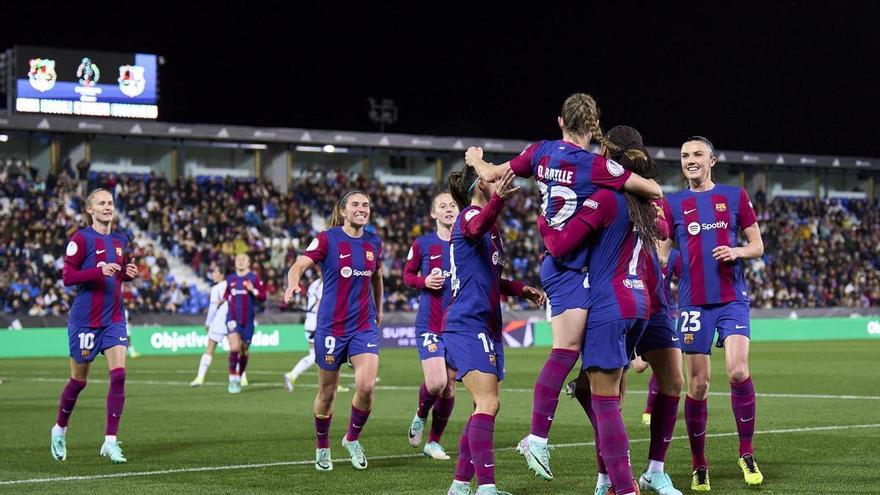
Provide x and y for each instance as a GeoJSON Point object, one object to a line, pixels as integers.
{"type": "Point", "coordinates": [818, 253]}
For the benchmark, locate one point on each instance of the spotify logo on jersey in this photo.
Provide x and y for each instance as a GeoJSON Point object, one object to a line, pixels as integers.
{"type": "Point", "coordinates": [693, 228]}
{"type": "Point", "coordinates": [345, 271]}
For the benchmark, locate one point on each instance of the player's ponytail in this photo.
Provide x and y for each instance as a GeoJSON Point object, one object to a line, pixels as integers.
{"type": "Point", "coordinates": [462, 184]}
{"type": "Point", "coordinates": [88, 202]}
{"type": "Point", "coordinates": [580, 116]}
{"type": "Point", "coordinates": [633, 156]}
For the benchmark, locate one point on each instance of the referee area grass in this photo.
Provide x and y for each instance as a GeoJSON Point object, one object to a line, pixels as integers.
{"type": "Point", "coordinates": [818, 428]}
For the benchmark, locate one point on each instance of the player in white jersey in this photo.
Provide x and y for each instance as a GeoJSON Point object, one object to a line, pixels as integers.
{"type": "Point", "coordinates": [215, 324]}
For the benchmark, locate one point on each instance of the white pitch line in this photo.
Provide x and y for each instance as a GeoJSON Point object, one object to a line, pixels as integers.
{"type": "Point", "coordinates": [406, 388]}
{"type": "Point", "coordinates": [395, 456]}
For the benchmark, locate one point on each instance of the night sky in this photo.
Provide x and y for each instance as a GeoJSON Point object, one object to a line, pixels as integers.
{"type": "Point", "coordinates": [763, 76]}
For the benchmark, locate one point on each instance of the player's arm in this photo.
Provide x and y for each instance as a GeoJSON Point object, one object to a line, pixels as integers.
{"type": "Point", "coordinates": [519, 289]}
{"type": "Point", "coordinates": [259, 291]}
{"type": "Point", "coordinates": [476, 223]}
{"type": "Point", "coordinates": [594, 215]}
{"type": "Point", "coordinates": [610, 174]}
{"type": "Point", "coordinates": [212, 311]}
{"type": "Point", "coordinates": [71, 274]}
{"type": "Point", "coordinates": [520, 165]}
{"type": "Point", "coordinates": [378, 291]}
{"type": "Point", "coordinates": [749, 221]}
{"type": "Point", "coordinates": [294, 275]}
{"type": "Point", "coordinates": [411, 269]}
{"type": "Point", "coordinates": [665, 246]}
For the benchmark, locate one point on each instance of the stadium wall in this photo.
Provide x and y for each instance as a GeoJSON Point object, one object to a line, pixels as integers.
{"type": "Point", "coordinates": [192, 339]}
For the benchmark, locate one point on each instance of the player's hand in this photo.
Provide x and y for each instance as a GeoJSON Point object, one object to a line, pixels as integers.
{"type": "Point", "coordinates": [248, 286]}
{"type": "Point", "coordinates": [434, 281]}
{"type": "Point", "coordinates": [473, 155]}
{"type": "Point", "coordinates": [131, 270]}
{"type": "Point", "coordinates": [504, 187]}
{"type": "Point", "coordinates": [110, 269]}
{"type": "Point", "coordinates": [536, 296]}
{"type": "Point", "coordinates": [725, 254]}
{"type": "Point", "coordinates": [379, 316]}
{"type": "Point", "coordinates": [290, 291]}
{"type": "Point", "coordinates": [659, 209]}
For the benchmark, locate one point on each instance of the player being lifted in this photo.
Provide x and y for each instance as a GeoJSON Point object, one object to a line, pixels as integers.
{"type": "Point", "coordinates": [713, 297]}
{"type": "Point", "coordinates": [351, 264]}
{"type": "Point", "coordinates": [429, 255]}
{"type": "Point", "coordinates": [96, 263]}
{"type": "Point", "coordinates": [243, 289]}
{"type": "Point", "coordinates": [215, 324]}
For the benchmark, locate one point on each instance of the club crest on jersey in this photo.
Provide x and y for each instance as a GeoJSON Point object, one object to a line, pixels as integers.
{"type": "Point", "coordinates": [720, 207]}
{"type": "Point", "coordinates": [492, 360]}
{"type": "Point", "coordinates": [370, 256]}
{"type": "Point", "coordinates": [432, 347]}
{"type": "Point", "coordinates": [85, 353]}
{"type": "Point", "coordinates": [329, 359]}
{"type": "Point", "coordinates": [688, 338]}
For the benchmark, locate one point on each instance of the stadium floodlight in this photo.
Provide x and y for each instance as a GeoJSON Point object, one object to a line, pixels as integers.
{"type": "Point", "coordinates": [382, 113]}
{"type": "Point", "coordinates": [4, 138]}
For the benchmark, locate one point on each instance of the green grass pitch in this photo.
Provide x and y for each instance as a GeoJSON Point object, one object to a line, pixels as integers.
{"type": "Point", "coordinates": [818, 429]}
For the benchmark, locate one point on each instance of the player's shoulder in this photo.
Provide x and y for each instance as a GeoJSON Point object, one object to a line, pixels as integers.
{"type": "Point", "coordinates": [372, 237]}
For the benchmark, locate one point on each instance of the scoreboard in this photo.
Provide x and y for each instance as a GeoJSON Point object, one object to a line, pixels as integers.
{"type": "Point", "coordinates": [85, 82]}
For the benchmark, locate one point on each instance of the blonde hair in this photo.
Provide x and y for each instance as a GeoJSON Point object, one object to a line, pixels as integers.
{"type": "Point", "coordinates": [86, 215]}
{"type": "Point", "coordinates": [580, 115]}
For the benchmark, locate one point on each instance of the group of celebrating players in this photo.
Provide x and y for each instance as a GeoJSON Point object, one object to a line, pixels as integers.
{"type": "Point", "coordinates": [608, 235]}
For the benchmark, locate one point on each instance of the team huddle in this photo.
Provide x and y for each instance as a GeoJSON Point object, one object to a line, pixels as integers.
{"type": "Point", "coordinates": [608, 236]}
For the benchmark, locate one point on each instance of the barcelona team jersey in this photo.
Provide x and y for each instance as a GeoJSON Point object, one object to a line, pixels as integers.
{"type": "Point", "coordinates": [477, 259]}
{"type": "Point", "coordinates": [98, 300]}
{"type": "Point", "coordinates": [429, 254]}
{"type": "Point", "coordinates": [702, 221]}
{"type": "Point", "coordinates": [347, 265]}
{"type": "Point", "coordinates": [670, 271]}
{"type": "Point", "coordinates": [566, 176]}
{"type": "Point", "coordinates": [242, 302]}
{"type": "Point", "coordinates": [617, 269]}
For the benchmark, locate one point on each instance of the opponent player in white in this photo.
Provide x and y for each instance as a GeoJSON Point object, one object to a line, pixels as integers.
{"type": "Point", "coordinates": [215, 324]}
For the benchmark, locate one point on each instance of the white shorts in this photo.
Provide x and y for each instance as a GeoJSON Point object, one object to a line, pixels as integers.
{"type": "Point", "coordinates": [310, 324]}
{"type": "Point", "coordinates": [218, 330]}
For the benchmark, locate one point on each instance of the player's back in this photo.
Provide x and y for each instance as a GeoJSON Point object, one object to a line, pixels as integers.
{"type": "Point", "coordinates": [434, 254]}
{"type": "Point", "coordinates": [616, 267]}
{"type": "Point", "coordinates": [566, 175]}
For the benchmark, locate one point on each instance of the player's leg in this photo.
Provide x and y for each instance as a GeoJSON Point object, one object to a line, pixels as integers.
{"type": "Point", "coordinates": [366, 367]}
{"type": "Point", "coordinates": [464, 468]}
{"type": "Point", "coordinates": [204, 363]}
{"type": "Point", "coordinates": [434, 370]}
{"type": "Point", "coordinates": [613, 440]}
{"type": "Point", "coordinates": [653, 389]}
{"type": "Point", "coordinates": [115, 401]}
{"type": "Point", "coordinates": [234, 356]}
{"type": "Point", "coordinates": [243, 356]}
{"type": "Point", "coordinates": [581, 392]}
{"type": "Point", "coordinates": [79, 373]}
{"type": "Point", "coordinates": [440, 418]}
{"type": "Point", "coordinates": [742, 398]}
{"type": "Point", "coordinates": [696, 415]}
{"type": "Point", "coordinates": [666, 364]}
{"type": "Point", "coordinates": [328, 380]}
{"type": "Point", "coordinates": [484, 389]}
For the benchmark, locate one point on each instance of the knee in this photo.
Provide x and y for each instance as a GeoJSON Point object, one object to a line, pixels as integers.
{"type": "Point", "coordinates": [326, 396]}
{"type": "Point", "coordinates": [698, 387]}
{"type": "Point", "coordinates": [489, 405]}
{"type": "Point", "coordinates": [449, 390]}
{"type": "Point", "coordinates": [738, 373]}
{"type": "Point", "coordinates": [435, 387]}
{"type": "Point", "coordinates": [672, 384]}
{"type": "Point", "coordinates": [365, 389]}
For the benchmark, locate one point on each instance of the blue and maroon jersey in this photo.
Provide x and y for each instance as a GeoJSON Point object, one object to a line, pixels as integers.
{"type": "Point", "coordinates": [347, 264]}
{"type": "Point", "coordinates": [617, 269]}
{"type": "Point", "coordinates": [654, 283]}
{"type": "Point", "coordinates": [567, 175]}
{"type": "Point", "coordinates": [670, 271]}
{"type": "Point", "coordinates": [702, 221]}
{"type": "Point", "coordinates": [98, 300]}
{"type": "Point", "coordinates": [477, 259]}
{"type": "Point", "coordinates": [429, 254]}
{"type": "Point", "coordinates": [242, 302]}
